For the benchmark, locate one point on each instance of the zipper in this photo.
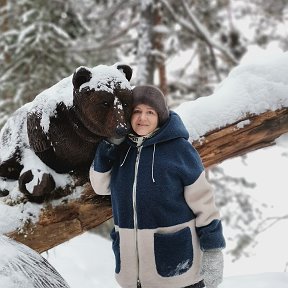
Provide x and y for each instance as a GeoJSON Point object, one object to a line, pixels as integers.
{"type": "Point", "coordinates": [134, 210]}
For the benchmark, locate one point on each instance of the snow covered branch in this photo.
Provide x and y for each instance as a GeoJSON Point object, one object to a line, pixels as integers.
{"type": "Point", "coordinates": [195, 27]}
{"type": "Point", "coordinates": [250, 133]}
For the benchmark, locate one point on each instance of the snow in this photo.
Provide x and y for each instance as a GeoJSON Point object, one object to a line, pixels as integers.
{"type": "Point", "coordinates": [88, 254]}
{"type": "Point", "coordinates": [103, 80]}
{"type": "Point", "coordinates": [92, 257]}
{"type": "Point", "coordinates": [275, 280]}
{"type": "Point", "coordinates": [13, 216]}
{"type": "Point", "coordinates": [282, 141]}
{"type": "Point", "coordinates": [252, 87]}
{"type": "Point", "coordinates": [257, 85]}
{"type": "Point", "coordinates": [21, 266]}
{"type": "Point", "coordinates": [9, 137]}
{"type": "Point", "coordinates": [243, 124]}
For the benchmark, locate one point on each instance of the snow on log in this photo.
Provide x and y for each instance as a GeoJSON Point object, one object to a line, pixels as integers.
{"type": "Point", "coordinates": [60, 222]}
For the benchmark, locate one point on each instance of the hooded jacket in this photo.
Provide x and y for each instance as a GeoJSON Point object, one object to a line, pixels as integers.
{"type": "Point", "coordinates": [163, 208]}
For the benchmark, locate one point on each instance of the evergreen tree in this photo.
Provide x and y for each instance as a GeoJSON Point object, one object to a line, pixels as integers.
{"type": "Point", "coordinates": [35, 42]}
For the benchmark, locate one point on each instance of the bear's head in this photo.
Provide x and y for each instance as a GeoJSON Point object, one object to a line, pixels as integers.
{"type": "Point", "coordinates": [102, 99]}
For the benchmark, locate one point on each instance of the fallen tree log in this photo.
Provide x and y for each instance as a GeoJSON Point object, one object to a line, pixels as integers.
{"type": "Point", "coordinates": [63, 222]}
{"type": "Point", "coordinates": [250, 133]}
{"type": "Point", "coordinates": [60, 223]}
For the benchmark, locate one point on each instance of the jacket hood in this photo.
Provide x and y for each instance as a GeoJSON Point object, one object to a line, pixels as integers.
{"type": "Point", "coordinates": [173, 128]}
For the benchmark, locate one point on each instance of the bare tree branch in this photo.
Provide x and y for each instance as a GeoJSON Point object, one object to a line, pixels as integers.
{"type": "Point", "coordinates": [198, 29]}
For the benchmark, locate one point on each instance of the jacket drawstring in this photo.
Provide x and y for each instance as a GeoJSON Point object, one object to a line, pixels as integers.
{"type": "Point", "coordinates": [153, 157]}
{"type": "Point", "coordinates": [125, 156]}
{"type": "Point", "coordinates": [153, 163]}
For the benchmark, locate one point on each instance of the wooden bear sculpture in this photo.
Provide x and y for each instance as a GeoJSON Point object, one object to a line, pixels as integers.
{"type": "Point", "coordinates": [59, 130]}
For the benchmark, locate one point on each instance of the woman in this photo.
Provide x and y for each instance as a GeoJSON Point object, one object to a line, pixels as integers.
{"type": "Point", "coordinates": [163, 207]}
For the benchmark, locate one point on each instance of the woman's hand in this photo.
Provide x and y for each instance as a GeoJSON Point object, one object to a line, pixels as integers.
{"type": "Point", "coordinates": [212, 268]}
{"type": "Point", "coordinates": [116, 141]}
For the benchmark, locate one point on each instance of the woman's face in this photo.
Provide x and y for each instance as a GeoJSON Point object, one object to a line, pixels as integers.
{"type": "Point", "coordinates": [144, 119]}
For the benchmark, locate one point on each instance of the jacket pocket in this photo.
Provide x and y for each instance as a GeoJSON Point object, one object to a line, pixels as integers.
{"type": "Point", "coordinates": [116, 248]}
{"type": "Point", "coordinates": [173, 252]}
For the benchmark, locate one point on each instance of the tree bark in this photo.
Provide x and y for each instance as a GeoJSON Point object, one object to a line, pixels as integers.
{"type": "Point", "coordinates": [159, 46]}
{"type": "Point", "coordinates": [4, 27]}
{"type": "Point", "coordinates": [66, 221]}
{"type": "Point", "coordinates": [63, 222]}
{"type": "Point", "coordinates": [146, 59]}
{"type": "Point", "coordinates": [231, 141]}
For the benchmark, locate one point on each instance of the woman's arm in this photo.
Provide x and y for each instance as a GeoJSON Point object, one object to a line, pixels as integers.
{"type": "Point", "coordinates": [100, 170]}
{"type": "Point", "coordinates": [199, 196]}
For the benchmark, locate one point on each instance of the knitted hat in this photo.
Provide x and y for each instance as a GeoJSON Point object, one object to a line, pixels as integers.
{"type": "Point", "coordinates": [152, 96]}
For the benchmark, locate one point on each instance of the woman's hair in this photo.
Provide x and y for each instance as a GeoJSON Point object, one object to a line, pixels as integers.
{"type": "Point", "coordinates": [152, 96]}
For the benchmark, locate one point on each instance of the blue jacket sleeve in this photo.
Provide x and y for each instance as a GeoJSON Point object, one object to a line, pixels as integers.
{"type": "Point", "coordinates": [199, 196]}
{"type": "Point", "coordinates": [211, 236]}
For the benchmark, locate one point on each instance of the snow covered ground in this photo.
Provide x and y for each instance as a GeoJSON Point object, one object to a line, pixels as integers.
{"type": "Point", "coordinates": [87, 261]}
{"type": "Point", "coordinates": [268, 280]}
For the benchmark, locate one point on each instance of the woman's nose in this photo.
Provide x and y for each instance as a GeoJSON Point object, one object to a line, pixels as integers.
{"type": "Point", "coordinates": [142, 116]}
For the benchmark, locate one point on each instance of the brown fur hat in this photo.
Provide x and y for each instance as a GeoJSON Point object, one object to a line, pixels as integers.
{"type": "Point", "coordinates": [152, 96]}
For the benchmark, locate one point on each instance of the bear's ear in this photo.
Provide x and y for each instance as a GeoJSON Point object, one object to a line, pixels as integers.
{"type": "Point", "coordinates": [82, 75]}
{"type": "Point", "coordinates": [127, 70]}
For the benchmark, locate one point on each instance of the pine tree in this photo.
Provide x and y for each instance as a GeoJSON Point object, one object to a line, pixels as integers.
{"type": "Point", "coordinates": [35, 42]}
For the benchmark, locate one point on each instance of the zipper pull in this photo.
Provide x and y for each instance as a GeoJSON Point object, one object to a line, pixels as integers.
{"type": "Point", "coordinates": [139, 150]}
{"type": "Point", "coordinates": [138, 284]}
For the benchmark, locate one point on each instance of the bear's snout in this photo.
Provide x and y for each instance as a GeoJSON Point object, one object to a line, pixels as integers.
{"type": "Point", "coordinates": [122, 130]}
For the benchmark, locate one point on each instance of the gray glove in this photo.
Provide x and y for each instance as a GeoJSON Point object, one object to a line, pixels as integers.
{"type": "Point", "coordinates": [212, 268]}
{"type": "Point", "coordinates": [116, 141]}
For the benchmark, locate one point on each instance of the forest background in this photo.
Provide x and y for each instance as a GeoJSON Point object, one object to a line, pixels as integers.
{"type": "Point", "coordinates": [185, 47]}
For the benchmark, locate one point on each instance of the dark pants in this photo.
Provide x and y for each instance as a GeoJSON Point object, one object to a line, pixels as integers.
{"type": "Point", "coordinates": [196, 285]}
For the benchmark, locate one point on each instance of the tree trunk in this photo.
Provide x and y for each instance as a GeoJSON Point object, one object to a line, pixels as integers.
{"type": "Point", "coordinates": [4, 27]}
{"type": "Point", "coordinates": [145, 57]}
{"type": "Point", "coordinates": [61, 223]}
{"type": "Point", "coordinates": [159, 47]}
